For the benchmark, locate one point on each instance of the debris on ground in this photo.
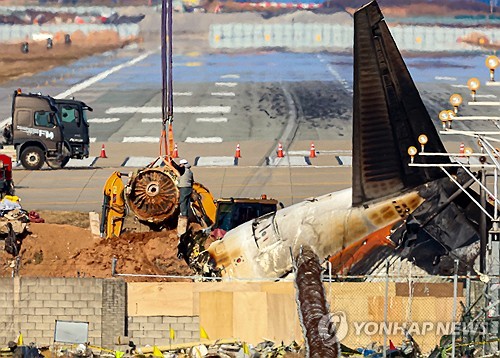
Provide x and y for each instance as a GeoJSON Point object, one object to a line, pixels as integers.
{"type": "Point", "coordinates": [63, 250]}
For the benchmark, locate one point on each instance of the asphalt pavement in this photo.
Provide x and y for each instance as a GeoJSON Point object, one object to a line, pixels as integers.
{"type": "Point", "coordinates": [220, 100]}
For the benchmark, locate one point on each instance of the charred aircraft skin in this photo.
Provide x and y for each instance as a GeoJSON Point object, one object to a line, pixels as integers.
{"type": "Point", "coordinates": [392, 208]}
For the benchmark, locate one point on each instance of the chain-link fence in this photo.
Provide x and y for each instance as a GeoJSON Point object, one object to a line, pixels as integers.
{"type": "Point", "coordinates": [451, 315]}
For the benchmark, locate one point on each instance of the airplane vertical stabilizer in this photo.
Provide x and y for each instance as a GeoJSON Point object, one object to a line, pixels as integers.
{"type": "Point", "coordinates": [389, 115]}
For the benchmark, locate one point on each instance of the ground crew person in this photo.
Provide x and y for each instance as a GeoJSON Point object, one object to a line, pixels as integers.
{"type": "Point", "coordinates": [185, 185]}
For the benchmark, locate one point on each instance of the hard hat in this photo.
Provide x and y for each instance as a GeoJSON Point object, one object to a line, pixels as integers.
{"type": "Point", "coordinates": [183, 161]}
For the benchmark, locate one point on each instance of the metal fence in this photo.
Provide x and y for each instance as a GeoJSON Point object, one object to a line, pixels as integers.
{"type": "Point", "coordinates": [406, 310]}
{"type": "Point", "coordinates": [335, 36]}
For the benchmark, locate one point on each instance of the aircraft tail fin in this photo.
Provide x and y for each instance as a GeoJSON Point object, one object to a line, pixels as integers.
{"type": "Point", "coordinates": [389, 115]}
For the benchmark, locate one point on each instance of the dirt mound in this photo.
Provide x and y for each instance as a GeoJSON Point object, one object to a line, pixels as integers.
{"type": "Point", "coordinates": [54, 250]}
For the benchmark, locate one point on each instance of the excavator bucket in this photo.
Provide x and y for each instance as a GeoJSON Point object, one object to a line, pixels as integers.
{"type": "Point", "coordinates": [113, 208]}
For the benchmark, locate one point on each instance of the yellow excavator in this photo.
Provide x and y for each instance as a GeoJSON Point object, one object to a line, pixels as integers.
{"type": "Point", "coordinates": [152, 192]}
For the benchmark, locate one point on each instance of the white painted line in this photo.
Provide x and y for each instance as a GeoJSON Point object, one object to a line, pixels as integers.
{"type": "Point", "coordinates": [81, 163]}
{"type": "Point", "coordinates": [490, 83]}
{"type": "Point", "coordinates": [335, 74]}
{"type": "Point", "coordinates": [230, 76]}
{"type": "Point", "coordinates": [454, 131]}
{"type": "Point", "coordinates": [223, 94]}
{"type": "Point", "coordinates": [151, 120]}
{"type": "Point", "coordinates": [214, 161]}
{"type": "Point", "coordinates": [93, 139]}
{"type": "Point", "coordinates": [445, 78]}
{"type": "Point", "coordinates": [211, 120]}
{"type": "Point", "coordinates": [345, 160]}
{"type": "Point", "coordinates": [476, 118]}
{"type": "Point", "coordinates": [141, 139]}
{"type": "Point", "coordinates": [138, 162]}
{"type": "Point", "coordinates": [288, 161]}
{"type": "Point", "coordinates": [226, 84]}
{"type": "Point", "coordinates": [484, 103]}
{"type": "Point", "coordinates": [151, 110]}
{"type": "Point", "coordinates": [89, 82]}
{"type": "Point", "coordinates": [183, 93]}
{"type": "Point", "coordinates": [203, 140]}
{"type": "Point", "coordinates": [103, 120]}
{"type": "Point", "coordinates": [485, 96]}
{"type": "Point", "coordinates": [304, 153]}
{"type": "Point", "coordinates": [459, 86]}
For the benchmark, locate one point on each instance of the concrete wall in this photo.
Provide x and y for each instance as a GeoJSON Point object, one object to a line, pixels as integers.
{"type": "Point", "coordinates": [32, 305]}
{"type": "Point", "coordinates": [155, 330]}
{"type": "Point", "coordinates": [144, 312]}
{"type": "Point", "coordinates": [337, 36]}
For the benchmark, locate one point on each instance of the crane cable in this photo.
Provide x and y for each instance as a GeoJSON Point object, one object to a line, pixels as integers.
{"type": "Point", "coordinates": [166, 143]}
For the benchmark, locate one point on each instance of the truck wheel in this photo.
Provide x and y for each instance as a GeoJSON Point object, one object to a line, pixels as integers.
{"type": "Point", "coordinates": [32, 158]}
{"type": "Point", "coordinates": [57, 164]}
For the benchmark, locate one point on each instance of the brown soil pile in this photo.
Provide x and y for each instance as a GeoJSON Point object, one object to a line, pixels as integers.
{"type": "Point", "coordinates": [55, 250]}
{"type": "Point", "coordinates": [14, 63]}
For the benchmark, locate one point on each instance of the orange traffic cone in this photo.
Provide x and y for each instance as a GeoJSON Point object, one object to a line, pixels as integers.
{"type": "Point", "coordinates": [462, 149]}
{"type": "Point", "coordinates": [238, 151]}
{"type": "Point", "coordinates": [312, 151]}
{"type": "Point", "coordinates": [280, 151]}
{"type": "Point", "coordinates": [103, 152]}
{"type": "Point", "coordinates": [175, 153]}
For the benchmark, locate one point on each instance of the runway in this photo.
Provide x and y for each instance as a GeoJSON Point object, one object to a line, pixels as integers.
{"type": "Point", "coordinates": [254, 99]}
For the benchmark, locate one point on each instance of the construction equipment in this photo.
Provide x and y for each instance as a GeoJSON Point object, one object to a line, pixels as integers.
{"type": "Point", "coordinates": [45, 129]}
{"type": "Point", "coordinates": [113, 207]}
{"type": "Point", "coordinates": [232, 212]}
{"type": "Point", "coordinates": [6, 182]}
{"type": "Point", "coordinates": [225, 214]}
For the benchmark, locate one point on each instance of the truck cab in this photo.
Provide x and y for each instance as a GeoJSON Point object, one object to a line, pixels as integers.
{"type": "Point", "coordinates": [75, 127]}
{"type": "Point", "coordinates": [48, 130]}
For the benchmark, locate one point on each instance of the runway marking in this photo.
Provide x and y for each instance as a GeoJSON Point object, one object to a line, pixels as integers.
{"type": "Point", "coordinates": [92, 140]}
{"type": "Point", "coordinates": [288, 161]}
{"type": "Point", "coordinates": [485, 96]}
{"type": "Point", "coordinates": [230, 76]}
{"type": "Point", "coordinates": [141, 140]}
{"type": "Point", "coordinates": [137, 162]}
{"type": "Point", "coordinates": [223, 94]}
{"type": "Point", "coordinates": [103, 120]}
{"type": "Point", "coordinates": [150, 110]}
{"type": "Point", "coordinates": [226, 84]}
{"type": "Point", "coordinates": [344, 160]}
{"type": "Point", "coordinates": [151, 120]}
{"type": "Point", "coordinates": [215, 161]}
{"type": "Point", "coordinates": [335, 74]}
{"type": "Point", "coordinates": [459, 86]}
{"type": "Point", "coordinates": [82, 163]}
{"type": "Point", "coordinates": [203, 140]}
{"type": "Point", "coordinates": [211, 120]}
{"type": "Point", "coordinates": [445, 78]}
{"type": "Point", "coordinates": [89, 82]}
{"type": "Point", "coordinates": [183, 93]}
{"type": "Point", "coordinates": [99, 77]}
